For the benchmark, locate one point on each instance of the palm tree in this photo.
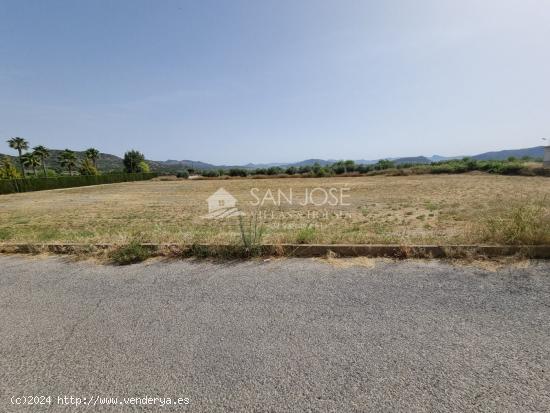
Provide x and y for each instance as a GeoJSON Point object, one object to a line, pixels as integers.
{"type": "Point", "coordinates": [93, 155]}
{"type": "Point", "coordinates": [31, 160]}
{"type": "Point", "coordinates": [42, 153]}
{"type": "Point", "coordinates": [67, 159]}
{"type": "Point", "coordinates": [20, 145]}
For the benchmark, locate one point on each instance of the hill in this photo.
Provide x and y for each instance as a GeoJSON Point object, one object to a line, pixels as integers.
{"type": "Point", "coordinates": [536, 152]}
{"type": "Point", "coordinates": [170, 165]}
{"type": "Point", "coordinates": [412, 159]}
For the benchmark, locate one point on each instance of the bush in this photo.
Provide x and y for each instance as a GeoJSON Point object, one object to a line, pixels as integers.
{"type": "Point", "coordinates": [8, 170]}
{"type": "Point", "coordinates": [511, 168]}
{"type": "Point", "coordinates": [384, 164]}
{"type": "Point", "coordinates": [183, 174]}
{"type": "Point", "coordinates": [210, 173]}
{"type": "Point", "coordinates": [364, 168]}
{"type": "Point", "coordinates": [319, 171]}
{"type": "Point", "coordinates": [471, 164]}
{"type": "Point", "coordinates": [132, 253]}
{"type": "Point", "coordinates": [322, 172]}
{"type": "Point", "coordinates": [443, 169]}
{"type": "Point", "coordinates": [304, 169]}
{"type": "Point", "coordinates": [274, 170]}
{"type": "Point", "coordinates": [338, 168]}
{"type": "Point", "coordinates": [238, 172]}
{"type": "Point", "coordinates": [490, 166]}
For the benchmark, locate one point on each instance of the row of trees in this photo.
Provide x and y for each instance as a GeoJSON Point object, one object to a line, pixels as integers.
{"type": "Point", "coordinates": [38, 156]}
{"type": "Point", "coordinates": [337, 168]}
{"type": "Point", "coordinates": [36, 159]}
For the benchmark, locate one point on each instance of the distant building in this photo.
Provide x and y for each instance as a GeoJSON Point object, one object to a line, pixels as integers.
{"type": "Point", "coordinates": [546, 162]}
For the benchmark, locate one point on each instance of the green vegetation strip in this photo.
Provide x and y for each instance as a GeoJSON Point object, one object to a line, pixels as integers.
{"type": "Point", "coordinates": [526, 166]}
{"type": "Point", "coordinates": [9, 186]}
{"type": "Point", "coordinates": [290, 250]}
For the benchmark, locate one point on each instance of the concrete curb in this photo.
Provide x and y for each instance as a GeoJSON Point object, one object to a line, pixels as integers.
{"type": "Point", "coordinates": [303, 250]}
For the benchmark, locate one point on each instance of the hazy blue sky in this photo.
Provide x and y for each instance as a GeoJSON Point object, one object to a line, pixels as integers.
{"type": "Point", "coordinates": [237, 81]}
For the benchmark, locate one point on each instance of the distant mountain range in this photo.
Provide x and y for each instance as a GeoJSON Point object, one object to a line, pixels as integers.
{"type": "Point", "coordinates": [535, 152]}
{"type": "Point", "coordinates": [108, 162]}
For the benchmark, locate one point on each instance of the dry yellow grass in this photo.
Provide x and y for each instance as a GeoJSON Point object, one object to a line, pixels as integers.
{"type": "Point", "coordinates": [421, 209]}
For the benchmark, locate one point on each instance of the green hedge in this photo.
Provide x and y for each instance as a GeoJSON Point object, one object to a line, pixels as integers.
{"type": "Point", "coordinates": [9, 186]}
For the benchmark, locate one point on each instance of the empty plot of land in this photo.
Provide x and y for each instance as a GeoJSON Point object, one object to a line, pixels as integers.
{"type": "Point", "coordinates": [423, 209]}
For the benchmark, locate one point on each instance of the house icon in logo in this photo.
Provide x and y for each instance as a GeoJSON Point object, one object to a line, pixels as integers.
{"type": "Point", "coordinates": [221, 204]}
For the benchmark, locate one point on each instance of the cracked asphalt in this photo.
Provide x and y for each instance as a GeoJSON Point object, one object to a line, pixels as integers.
{"type": "Point", "coordinates": [284, 335]}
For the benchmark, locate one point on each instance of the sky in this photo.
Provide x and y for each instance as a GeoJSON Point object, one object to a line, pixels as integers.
{"type": "Point", "coordinates": [238, 81]}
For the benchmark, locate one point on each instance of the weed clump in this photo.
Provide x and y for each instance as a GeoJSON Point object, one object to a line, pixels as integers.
{"type": "Point", "coordinates": [251, 236]}
{"type": "Point", "coordinates": [131, 253]}
{"type": "Point", "coordinates": [525, 224]}
{"type": "Point", "coordinates": [305, 235]}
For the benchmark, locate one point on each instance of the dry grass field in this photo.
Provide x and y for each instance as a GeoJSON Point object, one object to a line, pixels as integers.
{"type": "Point", "coordinates": [424, 209]}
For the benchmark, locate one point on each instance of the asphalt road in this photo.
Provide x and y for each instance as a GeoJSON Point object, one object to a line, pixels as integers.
{"type": "Point", "coordinates": [285, 335]}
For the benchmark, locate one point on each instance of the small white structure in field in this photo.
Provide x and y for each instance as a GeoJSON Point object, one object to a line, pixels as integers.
{"type": "Point", "coordinates": [221, 204]}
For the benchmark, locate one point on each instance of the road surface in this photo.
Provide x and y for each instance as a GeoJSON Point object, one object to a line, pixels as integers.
{"type": "Point", "coordinates": [285, 335]}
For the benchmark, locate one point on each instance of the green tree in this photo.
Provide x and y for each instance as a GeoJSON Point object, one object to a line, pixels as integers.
{"type": "Point", "coordinates": [67, 159]}
{"type": "Point", "coordinates": [349, 166]}
{"type": "Point", "coordinates": [93, 155]}
{"type": "Point", "coordinates": [87, 167]}
{"type": "Point", "coordinates": [20, 145]}
{"type": "Point", "coordinates": [132, 160]}
{"type": "Point", "coordinates": [30, 160]}
{"type": "Point", "coordinates": [144, 167]}
{"type": "Point", "coordinates": [274, 170]}
{"type": "Point", "coordinates": [42, 153]}
{"type": "Point", "coordinates": [384, 164]}
{"type": "Point", "coordinates": [237, 172]}
{"type": "Point", "coordinates": [7, 170]}
{"type": "Point", "coordinates": [339, 167]}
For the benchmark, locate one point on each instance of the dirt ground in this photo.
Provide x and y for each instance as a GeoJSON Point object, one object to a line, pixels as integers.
{"type": "Point", "coordinates": [443, 209]}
